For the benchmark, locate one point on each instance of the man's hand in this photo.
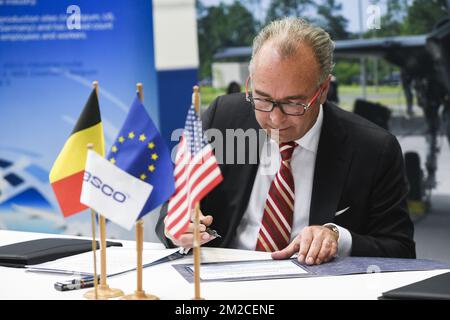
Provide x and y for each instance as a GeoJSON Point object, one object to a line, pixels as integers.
{"type": "Point", "coordinates": [314, 244]}
{"type": "Point", "coordinates": [186, 240]}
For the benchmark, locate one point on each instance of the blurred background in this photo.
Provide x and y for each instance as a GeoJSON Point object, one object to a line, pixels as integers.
{"type": "Point", "coordinates": [392, 67]}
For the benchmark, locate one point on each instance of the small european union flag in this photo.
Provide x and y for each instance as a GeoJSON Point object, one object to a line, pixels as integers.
{"type": "Point", "coordinates": [141, 151]}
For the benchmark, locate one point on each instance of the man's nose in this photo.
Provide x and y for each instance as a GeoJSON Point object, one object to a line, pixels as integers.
{"type": "Point", "coordinates": [277, 116]}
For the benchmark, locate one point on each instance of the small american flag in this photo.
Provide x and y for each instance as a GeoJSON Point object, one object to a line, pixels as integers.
{"type": "Point", "coordinates": [196, 174]}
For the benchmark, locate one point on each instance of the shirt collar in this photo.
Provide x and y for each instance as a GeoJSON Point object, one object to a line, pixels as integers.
{"type": "Point", "coordinates": [310, 141]}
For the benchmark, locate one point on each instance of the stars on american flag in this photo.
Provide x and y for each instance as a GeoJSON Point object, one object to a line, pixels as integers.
{"type": "Point", "coordinates": [194, 132]}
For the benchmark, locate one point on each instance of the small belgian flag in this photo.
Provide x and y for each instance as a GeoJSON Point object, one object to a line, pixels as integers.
{"type": "Point", "coordinates": [66, 176]}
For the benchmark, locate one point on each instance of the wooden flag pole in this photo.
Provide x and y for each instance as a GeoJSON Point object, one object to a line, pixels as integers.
{"type": "Point", "coordinates": [104, 291]}
{"type": "Point", "coordinates": [140, 294]}
{"type": "Point", "coordinates": [197, 252]}
{"type": "Point", "coordinates": [196, 99]}
{"type": "Point", "coordinates": [139, 89]}
{"type": "Point", "coordinates": [90, 146]}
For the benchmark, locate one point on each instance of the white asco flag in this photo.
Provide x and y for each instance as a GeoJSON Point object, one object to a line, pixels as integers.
{"type": "Point", "coordinates": [112, 192]}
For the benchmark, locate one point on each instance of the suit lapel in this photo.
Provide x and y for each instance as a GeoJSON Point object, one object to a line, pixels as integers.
{"type": "Point", "coordinates": [332, 163]}
{"type": "Point", "coordinates": [242, 178]}
{"type": "Point", "coordinates": [248, 171]}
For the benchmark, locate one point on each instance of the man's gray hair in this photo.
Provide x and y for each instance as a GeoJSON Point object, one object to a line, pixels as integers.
{"type": "Point", "coordinates": [288, 33]}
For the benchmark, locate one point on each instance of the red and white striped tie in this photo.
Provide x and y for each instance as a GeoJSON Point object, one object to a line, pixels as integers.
{"type": "Point", "coordinates": [276, 224]}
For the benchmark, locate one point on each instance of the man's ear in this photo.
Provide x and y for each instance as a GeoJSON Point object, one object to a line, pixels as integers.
{"type": "Point", "coordinates": [325, 87]}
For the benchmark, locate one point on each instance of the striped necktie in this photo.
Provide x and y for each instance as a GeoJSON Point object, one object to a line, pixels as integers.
{"type": "Point", "coordinates": [276, 223]}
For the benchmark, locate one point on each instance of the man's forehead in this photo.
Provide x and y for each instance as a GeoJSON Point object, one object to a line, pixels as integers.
{"type": "Point", "coordinates": [276, 50]}
{"type": "Point", "coordinates": [301, 62]}
{"type": "Point", "coordinates": [290, 82]}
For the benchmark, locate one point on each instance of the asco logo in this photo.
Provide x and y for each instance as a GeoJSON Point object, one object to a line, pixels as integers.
{"type": "Point", "coordinates": [106, 189]}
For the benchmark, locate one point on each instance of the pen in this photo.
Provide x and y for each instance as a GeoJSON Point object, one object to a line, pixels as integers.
{"type": "Point", "coordinates": [75, 284]}
{"type": "Point", "coordinates": [208, 230]}
{"type": "Point", "coordinates": [213, 232]}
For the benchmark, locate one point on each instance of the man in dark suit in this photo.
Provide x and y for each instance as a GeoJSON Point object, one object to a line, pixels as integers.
{"type": "Point", "coordinates": [338, 187]}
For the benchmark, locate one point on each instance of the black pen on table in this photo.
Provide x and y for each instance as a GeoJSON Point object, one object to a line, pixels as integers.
{"type": "Point", "coordinates": [75, 284]}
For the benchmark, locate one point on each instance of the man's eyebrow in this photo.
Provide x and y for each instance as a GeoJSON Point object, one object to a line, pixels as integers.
{"type": "Point", "coordinates": [294, 97]}
{"type": "Point", "coordinates": [298, 96]}
{"type": "Point", "coordinates": [262, 93]}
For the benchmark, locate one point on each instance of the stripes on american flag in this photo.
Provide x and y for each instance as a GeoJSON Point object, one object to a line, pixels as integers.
{"type": "Point", "coordinates": [196, 174]}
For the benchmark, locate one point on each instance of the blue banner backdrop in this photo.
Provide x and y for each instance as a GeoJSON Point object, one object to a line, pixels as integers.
{"type": "Point", "coordinates": [50, 52]}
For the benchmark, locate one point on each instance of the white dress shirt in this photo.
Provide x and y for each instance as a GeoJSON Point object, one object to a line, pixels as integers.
{"type": "Point", "coordinates": [302, 164]}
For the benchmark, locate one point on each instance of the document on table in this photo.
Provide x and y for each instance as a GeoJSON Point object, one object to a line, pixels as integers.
{"type": "Point", "coordinates": [210, 254]}
{"type": "Point", "coordinates": [118, 260]}
{"type": "Point", "coordinates": [242, 270]}
{"type": "Point", "coordinates": [291, 268]}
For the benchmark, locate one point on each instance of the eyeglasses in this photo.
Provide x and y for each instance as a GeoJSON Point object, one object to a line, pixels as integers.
{"type": "Point", "coordinates": [288, 108]}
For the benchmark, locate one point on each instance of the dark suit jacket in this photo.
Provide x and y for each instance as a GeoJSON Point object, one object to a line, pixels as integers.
{"type": "Point", "coordinates": [358, 165]}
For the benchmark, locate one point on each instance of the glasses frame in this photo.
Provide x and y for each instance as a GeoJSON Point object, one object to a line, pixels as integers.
{"type": "Point", "coordinates": [249, 97]}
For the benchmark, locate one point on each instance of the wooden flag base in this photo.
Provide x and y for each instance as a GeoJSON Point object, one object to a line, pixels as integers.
{"type": "Point", "coordinates": [104, 293]}
{"type": "Point", "coordinates": [140, 295]}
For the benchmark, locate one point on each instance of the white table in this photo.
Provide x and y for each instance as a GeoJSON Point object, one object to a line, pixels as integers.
{"type": "Point", "coordinates": [165, 282]}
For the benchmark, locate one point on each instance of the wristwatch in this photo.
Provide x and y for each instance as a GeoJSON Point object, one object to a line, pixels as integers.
{"type": "Point", "coordinates": [333, 228]}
